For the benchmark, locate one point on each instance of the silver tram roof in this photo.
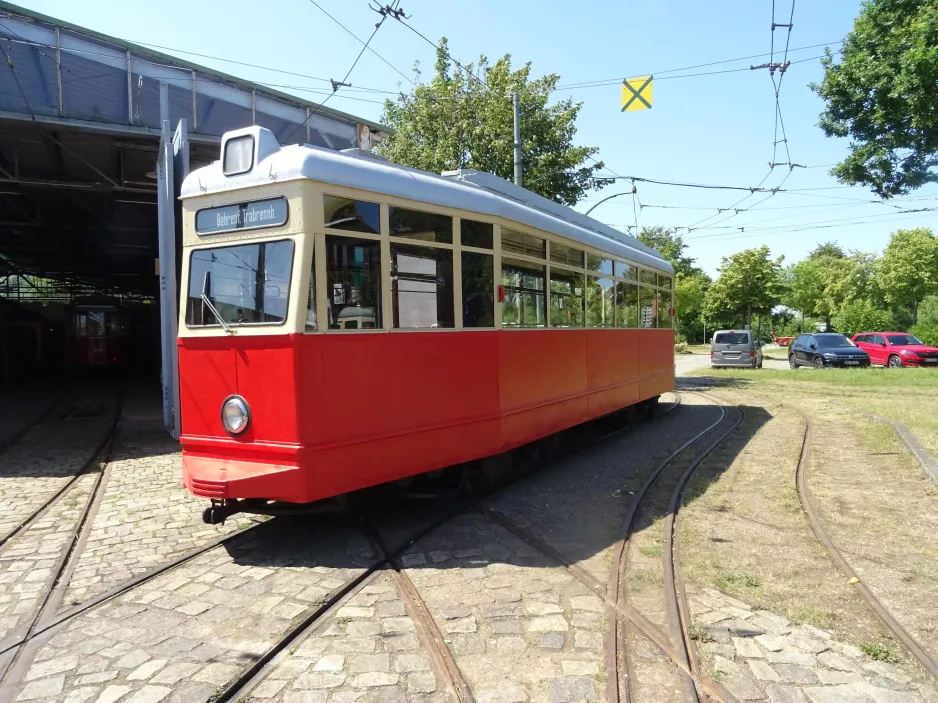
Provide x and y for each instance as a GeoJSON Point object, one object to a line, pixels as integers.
{"type": "Point", "coordinates": [474, 191]}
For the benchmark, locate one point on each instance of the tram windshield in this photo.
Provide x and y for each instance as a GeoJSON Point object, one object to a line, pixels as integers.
{"type": "Point", "coordinates": [247, 284]}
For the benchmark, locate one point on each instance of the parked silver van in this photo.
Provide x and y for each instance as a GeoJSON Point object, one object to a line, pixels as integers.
{"type": "Point", "coordinates": [735, 348]}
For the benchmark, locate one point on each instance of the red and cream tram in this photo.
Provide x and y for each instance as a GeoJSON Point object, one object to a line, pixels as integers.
{"type": "Point", "coordinates": [347, 322]}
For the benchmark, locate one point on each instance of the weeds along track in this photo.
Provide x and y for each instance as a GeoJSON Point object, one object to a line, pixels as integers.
{"type": "Point", "coordinates": [810, 510]}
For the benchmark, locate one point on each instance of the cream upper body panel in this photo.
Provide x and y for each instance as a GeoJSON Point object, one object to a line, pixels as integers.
{"type": "Point", "coordinates": [273, 170]}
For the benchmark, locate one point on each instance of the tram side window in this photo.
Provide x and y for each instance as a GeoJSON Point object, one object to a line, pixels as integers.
{"type": "Point", "coordinates": [353, 283]}
{"type": "Point", "coordinates": [648, 307]}
{"type": "Point", "coordinates": [352, 215]}
{"type": "Point", "coordinates": [416, 224]}
{"type": "Point", "coordinates": [561, 254]}
{"type": "Point", "coordinates": [311, 298]}
{"type": "Point", "coordinates": [626, 271]}
{"type": "Point", "coordinates": [626, 305]}
{"type": "Point", "coordinates": [524, 304]}
{"type": "Point", "coordinates": [664, 309]}
{"type": "Point", "coordinates": [246, 284]}
{"type": "Point", "coordinates": [598, 264]}
{"type": "Point", "coordinates": [599, 304]}
{"type": "Point", "coordinates": [566, 298]}
{"type": "Point", "coordinates": [476, 234]}
{"type": "Point", "coordinates": [524, 244]}
{"type": "Point", "coordinates": [478, 290]}
{"type": "Point", "coordinates": [421, 286]}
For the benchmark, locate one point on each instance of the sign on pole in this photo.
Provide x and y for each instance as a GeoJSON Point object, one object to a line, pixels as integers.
{"type": "Point", "coordinates": [636, 93]}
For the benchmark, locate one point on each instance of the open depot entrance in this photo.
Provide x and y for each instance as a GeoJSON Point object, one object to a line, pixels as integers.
{"type": "Point", "coordinates": [84, 120]}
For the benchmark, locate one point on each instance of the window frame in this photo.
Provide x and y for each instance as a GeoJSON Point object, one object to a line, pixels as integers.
{"type": "Point", "coordinates": [295, 254]}
{"type": "Point", "coordinates": [317, 232]}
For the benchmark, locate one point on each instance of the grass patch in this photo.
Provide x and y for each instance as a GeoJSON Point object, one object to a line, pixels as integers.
{"type": "Point", "coordinates": [642, 578]}
{"type": "Point", "coordinates": [651, 550]}
{"type": "Point", "coordinates": [699, 634]}
{"type": "Point", "coordinates": [879, 652]}
{"type": "Point", "coordinates": [812, 615]}
{"type": "Point", "coordinates": [736, 582]}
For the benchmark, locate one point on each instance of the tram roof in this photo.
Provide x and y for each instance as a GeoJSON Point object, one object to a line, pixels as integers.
{"type": "Point", "coordinates": [474, 191]}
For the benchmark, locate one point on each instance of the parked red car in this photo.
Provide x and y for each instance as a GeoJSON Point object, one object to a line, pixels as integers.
{"type": "Point", "coordinates": [896, 349]}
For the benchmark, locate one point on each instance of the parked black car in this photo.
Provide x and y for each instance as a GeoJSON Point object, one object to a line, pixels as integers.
{"type": "Point", "coordinates": [826, 349]}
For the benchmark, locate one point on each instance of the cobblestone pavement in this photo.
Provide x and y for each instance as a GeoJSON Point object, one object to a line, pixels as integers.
{"type": "Point", "coordinates": [28, 560]}
{"type": "Point", "coordinates": [581, 518]}
{"type": "Point", "coordinates": [519, 627]}
{"type": "Point", "coordinates": [43, 460]}
{"type": "Point", "coordinates": [190, 631]}
{"type": "Point", "coordinates": [761, 656]}
{"type": "Point", "coordinates": [369, 650]}
{"type": "Point", "coordinates": [146, 517]}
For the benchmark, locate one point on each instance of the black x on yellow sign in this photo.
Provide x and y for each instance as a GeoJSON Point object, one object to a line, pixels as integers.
{"type": "Point", "coordinates": [636, 93]}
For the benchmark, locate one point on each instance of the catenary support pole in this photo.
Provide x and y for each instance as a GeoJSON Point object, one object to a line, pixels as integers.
{"type": "Point", "coordinates": [516, 104]}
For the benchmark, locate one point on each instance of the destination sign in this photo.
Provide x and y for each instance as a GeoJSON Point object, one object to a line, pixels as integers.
{"type": "Point", "coordinates": [227, 218]}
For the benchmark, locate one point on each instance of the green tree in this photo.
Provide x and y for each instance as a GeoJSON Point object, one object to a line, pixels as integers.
{"type": "Point", "coordinates": [858, 316]}
{"type": "Point", "coordinates": [455, 121]}
{"type": "Point", "coordinates": [881, 94]}
{"type": "Point", "coordinates": [748, 282]}
{"type": "Point", "coordinates": [671, 246]}
{"type": "Point", "coordinates": [821, 284]}
{"type": "Point", "coordinates": [908, 270]}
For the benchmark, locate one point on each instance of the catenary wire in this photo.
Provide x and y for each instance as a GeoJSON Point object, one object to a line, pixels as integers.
{"type": "Point", "coordinates": [335, 87]}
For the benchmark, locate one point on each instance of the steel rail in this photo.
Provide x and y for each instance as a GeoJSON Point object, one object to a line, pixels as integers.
{"type": "Point", "coordinates": [617, 588]}
{"type": "Point", "coordinates": [675, 594]}
{"type": "Point", "coordinates": [444, 665]}
{"type": "Point", "coordinates": [810, 510]}
{"type": "Point", "coordinates": [240, 688]}
{"type": "Point", "coordinates": [16, 657]}
{"type": "Point", "coordinates": [40, 511]}
{"type": "Point", "coordinates": [622, 610]}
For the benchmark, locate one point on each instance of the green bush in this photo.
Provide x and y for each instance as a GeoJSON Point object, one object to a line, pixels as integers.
{"type": "Point", "coordinates": [928, 310]}
{"type": "Point", "coordinates": [927, 333]}
{"type": "Point", "coordinates": [862, 316]}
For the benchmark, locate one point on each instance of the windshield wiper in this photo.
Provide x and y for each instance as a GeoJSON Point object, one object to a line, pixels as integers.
{"type": "Point", "coordinates": [221, 321]}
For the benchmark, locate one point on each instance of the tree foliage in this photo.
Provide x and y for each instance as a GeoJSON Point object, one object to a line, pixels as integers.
{"type": "Point", "coordinates": [456, 121]}
{"type": "Point", "coordinates": [749, 282]}
{"type": "Point", "coordinates": [821, 284]}
{"type": "Point", "coordinates": [858, 316]}
{"type": "Point", "coordinates": [881, 94]}
{"type": "Point", "coordinates": [671, 246]}
{"type": "Point", "coordinates": [908, 269]}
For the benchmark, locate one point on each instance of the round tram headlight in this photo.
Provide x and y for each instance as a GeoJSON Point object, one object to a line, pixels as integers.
{"type": "Point", "coordinates": [235, 414]}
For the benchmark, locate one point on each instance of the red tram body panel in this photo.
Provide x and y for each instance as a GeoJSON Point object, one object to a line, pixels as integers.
{"type": "Point", "coordinates": [347, 322]}
{"type": "Point", "coordinates": [321, 432]}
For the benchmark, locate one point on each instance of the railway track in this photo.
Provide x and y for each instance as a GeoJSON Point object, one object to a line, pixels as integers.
{"type": "Point", "coordinates": [46, 623]}
{"type": "Point", "coordinates": [49, 600]}
{"type": "Point", "coordinates": [676, 644]}
{"type": "Point", "coordinates": [43, 506]}
{"type": "Point", "coordinates": [817, 526]}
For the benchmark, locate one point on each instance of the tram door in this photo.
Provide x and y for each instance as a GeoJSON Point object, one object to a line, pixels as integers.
{"type": "Point", "coordinates": [171, 169]}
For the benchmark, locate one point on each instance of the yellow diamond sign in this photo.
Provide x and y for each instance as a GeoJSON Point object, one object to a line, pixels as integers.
{"type": "Point", "coordinates": [636, 93]}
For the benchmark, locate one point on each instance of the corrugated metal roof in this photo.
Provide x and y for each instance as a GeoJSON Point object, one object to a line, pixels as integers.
{"type": "Point", "coordinates": [160, 57]}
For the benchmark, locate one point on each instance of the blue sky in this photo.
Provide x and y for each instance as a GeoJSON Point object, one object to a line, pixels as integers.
{"type": "Point", "coordinates": [714, 129]}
